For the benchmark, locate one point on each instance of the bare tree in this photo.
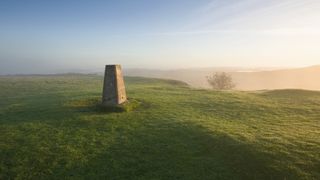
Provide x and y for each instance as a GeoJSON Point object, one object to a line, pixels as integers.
{"type": "Point", "coordinates": [221, 81]}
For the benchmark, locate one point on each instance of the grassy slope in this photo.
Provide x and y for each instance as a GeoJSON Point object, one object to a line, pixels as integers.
{"type": "Point", "coordinates": [51, 129]}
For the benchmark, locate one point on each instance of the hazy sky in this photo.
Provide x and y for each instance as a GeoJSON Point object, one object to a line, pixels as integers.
{"type": "Point", "coordinates": [38, 36]}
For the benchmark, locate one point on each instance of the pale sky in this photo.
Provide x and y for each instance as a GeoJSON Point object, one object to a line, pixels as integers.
{"type": "Point", "coordinates": [39, 36]}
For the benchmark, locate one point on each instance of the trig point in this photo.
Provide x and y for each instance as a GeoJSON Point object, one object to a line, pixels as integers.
{"type": "Point", "coordinates": [114, 92]}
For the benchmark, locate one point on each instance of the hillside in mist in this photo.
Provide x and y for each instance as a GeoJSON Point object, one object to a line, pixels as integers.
{"type": "Point", "coordinates": [246, 79]}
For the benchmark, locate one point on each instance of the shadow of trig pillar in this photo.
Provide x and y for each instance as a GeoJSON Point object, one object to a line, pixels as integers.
{"type": "Point", "coordinates": [114, 92]}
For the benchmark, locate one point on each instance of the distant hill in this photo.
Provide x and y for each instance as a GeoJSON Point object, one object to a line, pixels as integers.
{"type": "Point", "coordinates": [246, 79]}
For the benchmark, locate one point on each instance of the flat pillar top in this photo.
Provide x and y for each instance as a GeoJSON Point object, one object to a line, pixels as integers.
{"type": "Point", "coordinates": [112, 65]}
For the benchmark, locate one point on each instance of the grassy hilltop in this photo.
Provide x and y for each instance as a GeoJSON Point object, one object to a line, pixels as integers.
{"type": "Point", "coordinates": [51, 128]}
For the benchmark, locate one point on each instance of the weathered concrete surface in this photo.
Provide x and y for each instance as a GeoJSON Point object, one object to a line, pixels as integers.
{"type": "Point", "coordinates": [114, 91]}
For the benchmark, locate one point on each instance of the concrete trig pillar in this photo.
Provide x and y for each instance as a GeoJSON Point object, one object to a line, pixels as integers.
{"type": "Point", "coordinates": [114, 91]}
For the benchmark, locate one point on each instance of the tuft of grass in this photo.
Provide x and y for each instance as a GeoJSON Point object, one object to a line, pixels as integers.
{"type": "Point", "coordinates": [128, 106]}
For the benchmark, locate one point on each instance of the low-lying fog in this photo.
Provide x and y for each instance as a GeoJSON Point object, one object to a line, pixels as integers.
{"type": "Point", "coordinates": [245, 79]}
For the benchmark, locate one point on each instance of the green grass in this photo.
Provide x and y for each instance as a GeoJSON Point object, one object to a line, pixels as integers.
{"type": "Point", "coordinates": [51, 128]}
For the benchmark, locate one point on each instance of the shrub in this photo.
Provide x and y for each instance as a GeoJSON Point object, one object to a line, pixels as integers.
{"type": "Point", "coordinates": [221, 81]}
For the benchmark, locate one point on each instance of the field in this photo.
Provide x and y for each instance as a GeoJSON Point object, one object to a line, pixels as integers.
{"type": "Point", "coordinates": [52, 128]}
